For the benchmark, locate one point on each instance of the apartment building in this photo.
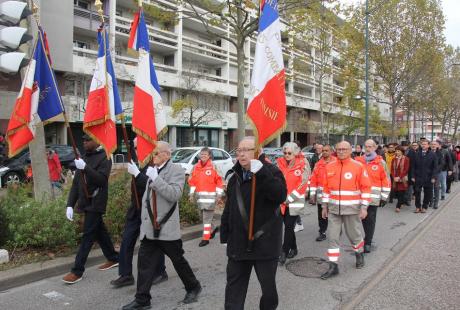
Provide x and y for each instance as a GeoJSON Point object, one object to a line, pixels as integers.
{"type": "Point", "coordinates": [186, 58]}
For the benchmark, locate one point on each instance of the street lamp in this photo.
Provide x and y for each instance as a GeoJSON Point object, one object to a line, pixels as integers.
{"type": "Point", "coordinates": [366, 128]}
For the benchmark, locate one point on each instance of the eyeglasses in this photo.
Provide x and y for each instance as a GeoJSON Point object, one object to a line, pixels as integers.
{"type": "Point", "coordinates": [287, 153]}
{"type": "Point", "coordinates": [244, 150]}
{"type": "Point", "coordinates": [341, 150]}
{"type": "Point", "coordinates": [157, 152]}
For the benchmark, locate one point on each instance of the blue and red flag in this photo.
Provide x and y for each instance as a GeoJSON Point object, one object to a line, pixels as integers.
{"type": "Point", "coordinates": [149, 118]}
{"type": "Point", "coordinates": [267, 99]}
{"type": "Point", "coordinates": [104, 104]}
{"type": "Point", "coordinates": [38, 100]}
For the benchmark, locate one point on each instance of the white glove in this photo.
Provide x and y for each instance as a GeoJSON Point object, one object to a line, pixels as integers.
{"type": "Point", "coordinates": [152, 173]}
{"type": "Point", "coordinates": [132, 169]}
{"type": "Point", "coordinates": [69, 213]}
{"type": "Point", "coordinates": [80, 164]}
{"type": "Point", "coordinates": [256, 165]}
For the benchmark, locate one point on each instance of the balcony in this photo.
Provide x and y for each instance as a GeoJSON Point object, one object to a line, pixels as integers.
{"type": "Point", "coordinates": [87, 19]}
{"type": "Point", "coordinates": [163, 41]}
{"type": "Point", "coordinates": [203, 51]}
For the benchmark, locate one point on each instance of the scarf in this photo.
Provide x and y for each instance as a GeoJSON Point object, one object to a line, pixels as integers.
{"type": "Point", "coordinates": [370, 157]}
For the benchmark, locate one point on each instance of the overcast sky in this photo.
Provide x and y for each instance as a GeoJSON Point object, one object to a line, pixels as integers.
{"type": "Point", "coordinates": [451, 12]}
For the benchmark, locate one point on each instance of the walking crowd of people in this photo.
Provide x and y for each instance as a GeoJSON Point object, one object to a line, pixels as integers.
{"type": "Point", "coordinates": [346, 186]}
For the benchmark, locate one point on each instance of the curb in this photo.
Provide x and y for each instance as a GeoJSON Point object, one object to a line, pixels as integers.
{"type": "Point", "coordinates": [29, 273]}
{"type": "Point", "coordinates": [400, 250]}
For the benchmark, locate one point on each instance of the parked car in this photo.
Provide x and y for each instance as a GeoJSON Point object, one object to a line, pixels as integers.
{"type": "Point", "coordinates": [13, 169]}
{"type": "Point", "coordinates": [187, 157]}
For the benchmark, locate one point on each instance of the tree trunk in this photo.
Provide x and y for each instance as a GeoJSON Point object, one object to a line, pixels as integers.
{"type": "Point", "coordinates": [321, 108]}
{"type": "Point", "coordinates": [393, 118]}
{"type": "Point", "coordinates": [241, 131]}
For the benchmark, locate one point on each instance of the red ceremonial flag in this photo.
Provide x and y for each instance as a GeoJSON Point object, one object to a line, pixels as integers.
{"type": "Point", "coordinates": [267, 103]}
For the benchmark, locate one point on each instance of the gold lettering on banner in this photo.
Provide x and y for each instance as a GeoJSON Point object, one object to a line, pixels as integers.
{"type": "Point", "coordinates": [268, 112]}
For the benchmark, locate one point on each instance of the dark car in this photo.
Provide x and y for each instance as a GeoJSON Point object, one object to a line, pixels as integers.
{"type": "Point", "coordinates": [13, 169]}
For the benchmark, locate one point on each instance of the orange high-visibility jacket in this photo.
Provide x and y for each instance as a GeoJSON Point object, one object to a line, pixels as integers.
{"type": "Point", "coordinates": [296, 176]}
{"type": "Point", "coordinates": [206, 183]}
{"type": "Point", "coordinates": [380, 179]}
{"type": "Point", "coordinates": [347, 187]}
{"type": "Point", "coordinates": [317, 177]}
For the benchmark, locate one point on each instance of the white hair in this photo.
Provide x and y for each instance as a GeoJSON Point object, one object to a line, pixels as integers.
{"type": "Point", "coordinates": [164, 146]}
{"type": "Point", "coordinates": [292, 146]}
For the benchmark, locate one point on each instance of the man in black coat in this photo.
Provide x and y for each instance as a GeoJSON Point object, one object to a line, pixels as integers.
{"type": "Point", "coordinates": [132, 230]}
{"type": "Point", "coordinates": [89, 191]}
{"type": "Point", "coordinates": [424, 169]}
{"type": "Point", "coordinates": [263, 255]}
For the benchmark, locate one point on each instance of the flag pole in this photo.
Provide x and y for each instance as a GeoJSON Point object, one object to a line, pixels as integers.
{"type": "Point", "coordinates": [64, 114]}
{"type": "Point", "coordinates": [98, 5]}
{"type": "Point", "coordinates": [252, 207]}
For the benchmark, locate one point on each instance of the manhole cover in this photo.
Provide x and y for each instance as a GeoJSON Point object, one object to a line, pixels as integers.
{"type": "Point", "coordinates": [308, 267]}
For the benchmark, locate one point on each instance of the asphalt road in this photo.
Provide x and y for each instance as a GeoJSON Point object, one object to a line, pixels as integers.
{"type": "Point", "coordinates": [393, 230]}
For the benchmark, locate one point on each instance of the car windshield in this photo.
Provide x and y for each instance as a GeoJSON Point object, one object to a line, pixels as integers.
{"type": "Point", "coordinates": [182, 155]}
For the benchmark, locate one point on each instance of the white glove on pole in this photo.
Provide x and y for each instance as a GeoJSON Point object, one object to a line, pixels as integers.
{"type": "Point", "coordinates": [69, 213]}
{"type": "Point", "coordinates": [152, 173]}
{"type": "Point", "coordinates": [80, 164]}
{"type": "Point", "coordinates": [132, 169]}
{"type": "Point", "coordinates": [256, 165]}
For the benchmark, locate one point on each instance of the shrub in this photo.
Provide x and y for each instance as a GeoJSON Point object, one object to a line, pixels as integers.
{"type": "Point", "coordinates": [38, 224]}
{"type": "Point", "coordinates": [118, 203]}
{"type": "Point", "coordinates": [188, 211]}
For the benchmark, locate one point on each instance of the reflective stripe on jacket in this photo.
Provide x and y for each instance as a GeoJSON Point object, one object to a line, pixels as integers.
{"type": "Point", "coordinates": [296, 176]}
{"type": "Point", "coordinates": [206, 183]}
{"type": "Point", "coordinates": [380, 179]}
{"type": "Point", "coordinates": [347, 187]}
{"type": "Point", "coordinates": [316, 180]}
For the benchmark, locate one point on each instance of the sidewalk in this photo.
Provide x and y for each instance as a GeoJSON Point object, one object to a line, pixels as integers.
{"type": "Point", "coordinates": [38, 271]}
{"type": "Point", "coordinates": [425, 274]}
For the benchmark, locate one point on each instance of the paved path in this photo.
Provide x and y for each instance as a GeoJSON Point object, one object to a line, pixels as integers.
{"type": "Point", "coordinates": [393, 231]}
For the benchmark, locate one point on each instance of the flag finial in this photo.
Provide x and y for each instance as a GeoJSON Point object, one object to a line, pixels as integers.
{"type": "Point", "coordinates": [140, 3]}
{"type": "Point", "coordinates": [98, 5]}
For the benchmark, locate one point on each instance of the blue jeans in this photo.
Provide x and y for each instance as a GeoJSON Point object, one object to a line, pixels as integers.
{"type": "Point", "coordinates": [443, 182]}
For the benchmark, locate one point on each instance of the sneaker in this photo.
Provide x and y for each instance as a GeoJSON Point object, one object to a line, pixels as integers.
{"type": "Point", "coordinates": [107, 265]}
{"type": "Point", "coordinates": [298, 227]}
{"type": "Point", "coordinates": [71, 278]}
{"type": "Point", "coordinates": [423, 210]}
{"type": "Point", "coordinates": [321, 237]}
{"type": "Point", "coordinates": [123, 281]}
{"type": "Point", "coordinates": [397, 210]}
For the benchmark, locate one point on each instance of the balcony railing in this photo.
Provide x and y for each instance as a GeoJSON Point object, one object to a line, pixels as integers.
{"type": "Point", "coordinates": [204, 48]}
{"type": "Point", "coordinates": [156, 35]}
{"type": "Point", "coordinates": [92, 16]}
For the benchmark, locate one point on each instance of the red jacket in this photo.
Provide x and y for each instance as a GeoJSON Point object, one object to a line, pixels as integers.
{"type": "Point", "coordinates": [347, 187]}
{"type": "Point", "coordinates": [317, 177]}
{"type": "Point", "coordinates": [400, 168]}
{"type": "Point", "coordinates": [206, 182]}
{"type": "Point", "coordinates": [296, 177]}
{"type": "Point", "coordinates": [54, 167]}
{"type": "Point", "coordinates": [380, 178]}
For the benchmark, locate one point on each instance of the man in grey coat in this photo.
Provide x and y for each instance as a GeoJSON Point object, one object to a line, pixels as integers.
{"type": "Point", "coordinates": [160, 229]}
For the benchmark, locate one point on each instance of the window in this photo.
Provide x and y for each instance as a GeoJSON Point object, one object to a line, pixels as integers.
{"type": "Point", "coordinates": [81, 4]}
{"type": "Point", "coordinates": [80, 44]}
{"type": "Point", "coordinates": [217, 155]}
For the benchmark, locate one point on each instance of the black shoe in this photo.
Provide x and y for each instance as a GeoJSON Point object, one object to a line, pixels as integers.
{"type": "Point", "coordinates": [192, 296]}
{"type": "Point", "coordinates": [321, 237]}
{"type": "Point", "coordinates": [448, 191]}
{"type": "Point", "coordinates": [282, 258]}
{"type": "Point", "coordinates": [332, 271]}
{"type": "Point", "coordinates": [161, 278]}
{"type": "Point", "coordinates": [135, 305]}
{"type": "Point", "coordinates": [443, 197]}
{"type": "Point", "coordinates": [359, 260]}
{"type": "Point", "coordinates": [122, 281]}
{"type": "Point", "coordinates": [367, 248]}
{"type": "Point", "coordinates": [203, 243]}
{"type": "Point", "coordinates": [214, 231]}
{"type": "Point", "coordinates": [292, 253]}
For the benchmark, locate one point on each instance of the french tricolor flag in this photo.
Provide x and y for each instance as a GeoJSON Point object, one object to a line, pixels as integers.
{"type": "Point", "coordinates": [267, 98]}
{"type": "Point", "coordinates": [104, 104]}
{"type": "Point", "coordinates": [149, 118]}
{"type": "Point", "coordinates": [38, 100]}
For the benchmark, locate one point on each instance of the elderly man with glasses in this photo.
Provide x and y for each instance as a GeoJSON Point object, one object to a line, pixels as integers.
{"type": "Point", "coordinates": [346, 197]}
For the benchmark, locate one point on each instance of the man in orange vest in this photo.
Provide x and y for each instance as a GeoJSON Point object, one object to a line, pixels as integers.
{"type": "Point", "coordinates": [380, 188]}
{"type": "Point", "coordinates": [316, 188]}
{"type": "Point", "coordinates": [346, 197]}
{"type": "Point", "coordinates": [207, 186]}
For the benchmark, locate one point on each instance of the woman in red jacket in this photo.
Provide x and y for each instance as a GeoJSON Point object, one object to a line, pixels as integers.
{"type": "Point", "coordinates": [293, 167]}
{"type": "Point", "coordinates": [399, 172]}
